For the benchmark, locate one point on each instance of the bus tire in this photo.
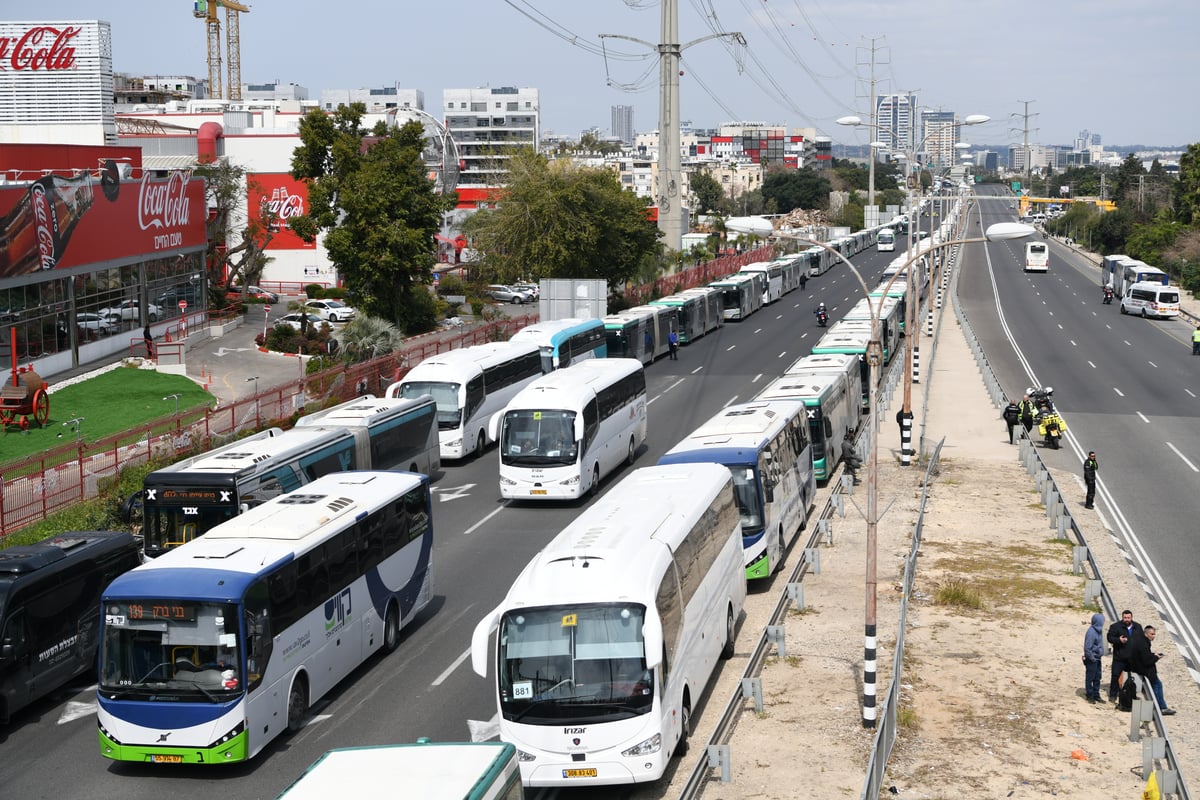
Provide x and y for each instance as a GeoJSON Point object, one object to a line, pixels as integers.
{"type": "Point", "coordinates": [631, 456]}
{"type": "Point", "coordinates": [594, 489]}
{"type": "Point", "coordinates": [685, 729]}
{"type": "Point", "coordinates": [480, 444]}
{"type": "Point", "coordinates": [391, 629]}
{"type": "Point", "coordinates": [297, 705]}
{"type": "Point", "coordinates": [730, 636]}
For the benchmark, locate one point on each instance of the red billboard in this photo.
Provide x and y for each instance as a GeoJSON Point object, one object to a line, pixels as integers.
{"type": "Point", "coordinates": [285, 197]}
{"type": "Point", "coordinates": [58, 222]}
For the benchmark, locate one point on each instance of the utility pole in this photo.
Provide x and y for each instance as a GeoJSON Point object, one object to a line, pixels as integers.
{"type": "Point", "coordinates": [871, 216]}
{"type": "Point", "coordinates": [1025, 140]}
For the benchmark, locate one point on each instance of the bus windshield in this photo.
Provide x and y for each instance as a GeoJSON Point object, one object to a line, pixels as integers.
{"type": "Point", "coordinates": [536, 438]}
{"type": "Point", "coordinates": [167, 651]}
{"type": "Point", "coordinates": [449, 412]}
{"type": "Point", "coordinates": [816, 433]}
{"type": "Point", "coordinates": [731, 297]}
{"type": "Point", "coordinates": [745, 490]}
{"type": "Point", "coordinates": [582, 663]}
{"type": "Point", "coordinates": [167, 526]}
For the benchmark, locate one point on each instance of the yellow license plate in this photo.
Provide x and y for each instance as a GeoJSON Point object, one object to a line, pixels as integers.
{"type": "Point", "coordinates": [537, 491]}
{"type": "Point", "coordinates": [579, 773]}
{"type": "Point", "coordinates": [166, 759]}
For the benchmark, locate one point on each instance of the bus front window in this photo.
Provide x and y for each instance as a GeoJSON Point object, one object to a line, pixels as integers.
{"type": "Point", "coordinates": [445, 395]}
{"type": "Point", "coordinates": [745, 490]}
{"type": "Point", "coordinates": [584, 663]}
{"type": "Point", "coordinates": [168, 526]}
{"type": "Point", "coordinates": [538, 438]}
{"type": "Point", "coordinates": [170, 650]}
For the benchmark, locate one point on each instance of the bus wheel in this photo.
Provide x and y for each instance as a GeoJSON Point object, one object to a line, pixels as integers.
{"type": "Point", "coordinates": [594, 489]}
{"type": "Point", "coordinates": [730, 636]}
{"type": "Point", "coordinates": [632, 454]}
{"type": "Point", "coordinates": [297, 705]}
{"type": "Point", "coordinates": [685, 730]}
{"type": "Point", "coordinates": [391, 629]}
{"type": "Point", "coordinates": [480, 444]}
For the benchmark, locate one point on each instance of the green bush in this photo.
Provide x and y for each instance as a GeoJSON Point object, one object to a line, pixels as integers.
{"type": "Point", "coordinates": [314, 291]}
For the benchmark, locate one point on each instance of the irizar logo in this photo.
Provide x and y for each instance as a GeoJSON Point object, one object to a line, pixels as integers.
{"type": "Point", "coordinates": [337, 611]}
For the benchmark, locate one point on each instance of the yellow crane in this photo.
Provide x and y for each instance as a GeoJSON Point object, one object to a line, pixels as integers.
{"type": "Point", "coordinates": [207, 11]}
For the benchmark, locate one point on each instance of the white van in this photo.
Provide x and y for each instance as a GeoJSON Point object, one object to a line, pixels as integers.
{"type": "Point", "coordinates": [1150, 300]}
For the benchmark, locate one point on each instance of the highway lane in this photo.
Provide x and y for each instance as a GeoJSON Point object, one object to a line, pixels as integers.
{"type": "Point", "coordinates": [427, 687]}
{"type": "Point", "coordinates": [1129, 390]}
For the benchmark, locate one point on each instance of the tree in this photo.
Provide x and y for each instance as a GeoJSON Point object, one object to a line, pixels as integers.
{"type": "Point", "coordinates": [559, 220]}
{"type": "Point", "coordinates": [1125, 188]}
{"type": "Point", "coordinates": [799, 188]}
{"type": "Point", "coordinates": [379, 211]}
{"type": "Point", "coordinates": [234, 255]}
{"type": "Point", "coordinates": [707, 191]}
{"type": "Point", "coordinates": [1187, 188]}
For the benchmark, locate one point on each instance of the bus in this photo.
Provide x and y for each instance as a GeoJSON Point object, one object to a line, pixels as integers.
{"type": "Point", "coordinates": [772, 277]}
{"type": "Point", "coordinates": [609, 636]}
{"type": "Point", "coordinates": [1037, 257]}
{"type": "Point", "coordinates": [888, 309]}
{"type": "Point", "coordinates": [741, 294]}
{"type": "Point", "coordinates": [819, 260]}
{"type": "Point", "coordinates": [470, 385]}
{"type": "Point", "coordinates": [830, 406]}
{"type": "Point", "coordinates": [662, 322]}
{"type": "Point", "coordinates": [564, 341]}
{"type": "Point", "coordinates": [1134, 271]}
{"type": "Point", "coordinates": [210, 651]}
{"type": "Point", "coordinates": [391, 433]}
{"type": "Point", "coordinates": [885, 242]}
{"type": "Point", "coordinates": [50, 610]}
{"type": "Point", "coordinates": [185, 500]}
{"type": "Point", "coordinates": [832, 363]}
{"type": "Point", "coordinates": [714, 306]}
{"type": "Point", "coordinates": [689, 312]}
{"type": "Point", "coordinates": [426, 770]}
{"type": "Point", "coordinates": [765, 446]}
{"type": "Point", "coordinates": [565, 431]}
{"type": "Point", "coordinates": [852, 338]}
{"type": "Point", "coordinates": [791, 271]}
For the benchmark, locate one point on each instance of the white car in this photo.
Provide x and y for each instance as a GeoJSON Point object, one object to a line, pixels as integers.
{"type": "Point", "coordinates": [127, 310]}
{"type": "Point", "coordinates": [532, 289]}
{"type": "Point", "coordinates": [94, 324]}
{"type": "Point", "coordinates": [331, 310]}
{"type": "Point", "coordinates": [296, 320]}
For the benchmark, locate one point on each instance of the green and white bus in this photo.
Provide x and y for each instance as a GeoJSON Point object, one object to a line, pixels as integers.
{"type": "Point", "coordinates": [830, 408]}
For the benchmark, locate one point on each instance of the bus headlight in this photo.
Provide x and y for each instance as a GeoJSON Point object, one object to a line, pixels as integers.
{"type": "Point", "coordinates": [507, 481]}
{"type": "Point", "coordinates": [525, 757]}
{"type": "Point", "coordinates": [571, 481]}
{"type": "Point", "coordinates": [651, 745]}
{"type": "Point", "coordinates": [454, 443]}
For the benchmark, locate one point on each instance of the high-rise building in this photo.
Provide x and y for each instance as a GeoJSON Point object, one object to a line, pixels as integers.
{"type": "Point", "coordinates": [896, 121]}
{"type": "Point", "coordinates": [622, 123]}
{"type": "Point", "coordinates": [489, 125]}
{"type": "Point", "coordinates": [940, 135]}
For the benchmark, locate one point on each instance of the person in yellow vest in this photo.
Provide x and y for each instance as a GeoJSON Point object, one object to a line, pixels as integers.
{"type": "Point", "coordinates": [1196, 341]}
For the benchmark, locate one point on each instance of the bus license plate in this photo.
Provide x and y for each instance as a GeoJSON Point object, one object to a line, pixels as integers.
{"type": "Point", "coordinates": [579, 773]}
{"type": "Point", "coordinates": [537, 491]}
{"type": "Point", "coordinates": [166, 759]}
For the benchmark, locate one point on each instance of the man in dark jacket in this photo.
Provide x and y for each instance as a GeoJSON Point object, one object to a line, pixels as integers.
{"type": "Point", "coordinates": [1090, 465]}
{"type": "Point", "coordinates": [1027, 412]}
{"type": "Point", "coordinates": [1144, 662]}
{"type": "Point", "coordinates": [850, 455]}
{"type": "Point", "coordinates": [1120, 634]}
{"type": "Point", "coordinates": [1093, 651]}
{"type": "Point", "coordinates": [1012, 415]}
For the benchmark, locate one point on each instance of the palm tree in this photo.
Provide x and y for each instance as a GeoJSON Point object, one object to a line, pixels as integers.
{"type": "Point", "coordinates": [364, 338]}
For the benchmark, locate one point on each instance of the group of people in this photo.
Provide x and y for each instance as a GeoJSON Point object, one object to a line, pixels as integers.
{"type": "Point", "coordinates": [1132, 654]}
{"type": "Point", "coordinates": [1023, 413]}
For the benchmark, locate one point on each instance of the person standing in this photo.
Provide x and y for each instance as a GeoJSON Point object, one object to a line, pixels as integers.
{"type": "Point", "coordinates": [1012, 415]}
{"type": "Point", "coordinates": [1196, 341]}
{"type": "Point", "coordinates": [673, 343]}
{"type": "Point", "coordinates": [1093, 651]}
{"type": "Point", "coordinates": [804, 281]}
{"type": "Point", "coordinates": [1027, 410]}
{"type": "Point", "coordinates": [1119, 635]}
{"type": "Point", "coordinates": [149, 337]}
{"type": "Point", "coordinates": [850, 455]}
{"type": "Point", "coordinates": [1145, 663]}
{"type": "Point", "coordinates": [1090, 465]}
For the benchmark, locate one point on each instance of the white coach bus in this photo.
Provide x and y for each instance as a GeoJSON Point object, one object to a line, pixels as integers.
{"type": "Point", "coordinates": [565, 431]}
{"type": "Point", "coordinates": [608, 637]}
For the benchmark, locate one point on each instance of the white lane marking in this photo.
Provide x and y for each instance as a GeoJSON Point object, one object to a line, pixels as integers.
{"type": "Point", "coordinates": [727, 349]}
{"type": "Point", "coordinates": [1090, 364]}
{"type": "Point", "coordinates": [781, 355]}
{"type": "Point", "coordinates": [1182, 456]}
{"type": "Point", "coordinates": [77, 709]}
{"type": "Point", "coordinates": [475, 527]}
{"type": "Point", "coordinates": [1073, 343]}
{"type": "Point", "coordinates": [1060, 327]}
{"type": "Point", "coordinates": [756, 377]}
{"type": "Point", "coordinates": [758, 330]}
{"type": "Point", "coordinates": [804, 334]}
{"type": "Point", "coordinates": [779, 316]}
{"type": "Point", "coordinates": [448, 671]}
{"type": "Point", "coordinates": [1189, 391]}
{"type": "Point", "coordinates": [1118, 391]}
{"type": "Point", "coordinates": [1143, 416]}
{"type": "Point", "coordinates": [1108, 326]}
{"type": "Point", "coordinates": [1127, 342]}
{"type": "Point", "coordinates": [669, 388]}
{"type": "Point", "coordinates": [1151, 363]}
{"type": "Point", "coordinates": [730, 401]}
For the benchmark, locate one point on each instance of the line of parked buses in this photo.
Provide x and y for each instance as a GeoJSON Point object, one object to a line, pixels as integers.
{"type": "Point", "coordinates": [256, 551]}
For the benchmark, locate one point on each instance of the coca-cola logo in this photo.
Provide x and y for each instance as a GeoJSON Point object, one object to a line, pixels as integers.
{"type": "Point", "coordinates": [41, 47]}
{"type": "Point", "coordinates": [43, 221]}
{"type": "Point", "coordinates": [280, 207]}
{"type": "Point", "coordinates": [163, 204]}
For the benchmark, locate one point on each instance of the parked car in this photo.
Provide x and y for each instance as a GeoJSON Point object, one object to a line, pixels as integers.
{"type": "Point", "coordinates": [296, 320]}
{"type": "Point", "coordinates": [331, 310]}
{"type": "Point", "coordinates": [532, 289]}
{"type": "Point", "coordinates": [188, 292]}
{"type": "Point", "coordinates": [508, 294]}
{"type": "Point", "coordinates": [94, 324]}
{"type": "Point", "coordinates": [237, 294]}
{"type": "Point", "coordinates": [127, 310]}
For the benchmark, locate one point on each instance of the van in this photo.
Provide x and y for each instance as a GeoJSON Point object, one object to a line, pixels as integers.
{"type": "Point", "coordinates": [1037, 257]}
{"type": "Point", "coordinates": [1150, 300]}
{"type": "Point", "coordinates": [50, 610]}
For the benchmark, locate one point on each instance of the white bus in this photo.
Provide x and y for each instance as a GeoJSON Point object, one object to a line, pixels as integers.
{"type": "Point", "coordinates": [765, 446]}
{"type": "Point", "coordinates": [772, 275]}
{"type": "Point", "coordinates": [565, 341]}
{"type": "Point", "coordinates": [565, 431]}
{"type": "Point", "coordinates": [885, 241]}
{"type": "Point", "coordinates": [470, 385]}
{"type": "Point", "coordinates": [390, 432]}
{"type": "Point", "coordinates": [830, 406]}
{"type": "Point", "coordinates": [426, 770]}
{"type": "Point", "coordinates": [714, 312]}
{"type": "Point", "coordinates": [608, 637]}
{"type": "Point", "coordinates": [1037, 257]}
{"type": "Point", "coordinates": [741, 294]}
{"type": "Point", "coordinates": [210, 651]}
{"type": "Point", "coordinates": [639, 332]}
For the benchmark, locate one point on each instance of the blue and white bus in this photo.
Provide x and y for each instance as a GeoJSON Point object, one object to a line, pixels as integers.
{"type": "Point", "coordinates": [766, 448]}
{"type": "Point", "coordinates": [210, 651]}
{"type": "Point", "coordinates": [471, 385]}
{"type": "Point", "coordinates": [564, 341]}
{"type": "Point", "coordinates": [391, 433]}
{"type": "Point", "coordinates": [565, 431]}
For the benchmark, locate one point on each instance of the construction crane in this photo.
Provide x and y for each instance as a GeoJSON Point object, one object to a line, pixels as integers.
{"type": "Point", "coordinates": [207, 11]}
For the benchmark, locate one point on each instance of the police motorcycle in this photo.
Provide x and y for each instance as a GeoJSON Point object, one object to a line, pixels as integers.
{"type": "Point", "coordinates": [1050, 423]}
{"type": "Point", "coordinates": [822, 315]}
{"type": "Point", "coordinates": [1108, 295]}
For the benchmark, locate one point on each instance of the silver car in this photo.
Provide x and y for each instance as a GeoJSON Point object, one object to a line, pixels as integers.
{"type": "Point", "coordinates": [508, 294]}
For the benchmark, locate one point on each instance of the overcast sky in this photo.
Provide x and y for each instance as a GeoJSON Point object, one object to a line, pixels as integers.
{"type": "Point", "coordinates": [1115, 68]}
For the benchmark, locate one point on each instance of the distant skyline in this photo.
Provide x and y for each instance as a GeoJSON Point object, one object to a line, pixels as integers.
{"type": "Point", "coordinates": [1116, 69]}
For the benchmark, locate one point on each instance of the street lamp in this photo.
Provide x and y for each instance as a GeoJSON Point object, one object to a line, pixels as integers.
{"type": "Point", "coordinates": [758, 226]}
{"type": "Point", "coordinates": [176, 399]}
{"type": "Point", "coordinates": [257, 420]}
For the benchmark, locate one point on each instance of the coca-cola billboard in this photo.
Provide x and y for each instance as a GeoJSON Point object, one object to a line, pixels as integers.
{"type": "Point", "coordinates": [284, 197]}
{"type": "Point", "coordinates": [48, 47]}
{"type": "Point", "coordinates": [56, 74]}
{"type": "Point", "coordinates": [58, 222]}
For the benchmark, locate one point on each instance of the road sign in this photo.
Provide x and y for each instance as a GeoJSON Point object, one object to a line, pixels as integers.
{"type": "Point", "coordinates": [182, 305]}
{"type": "Point", "coordinates": [266, 309]}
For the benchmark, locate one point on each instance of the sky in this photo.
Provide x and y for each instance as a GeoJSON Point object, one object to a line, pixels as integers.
{"type": "Point", "coordinates": [1117, 69]}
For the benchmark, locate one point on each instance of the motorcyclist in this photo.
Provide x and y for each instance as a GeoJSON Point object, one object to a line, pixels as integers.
{"type": "Point", "coordinates": [1108, 293]}
{"type": "Point", "coordinates": [822, 314]}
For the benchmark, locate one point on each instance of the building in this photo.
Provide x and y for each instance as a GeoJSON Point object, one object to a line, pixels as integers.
{"type": "Point", "coordinates": [273, 92]}
{"type": "Point", "coordinates": [489, 125]}
{"type": "Point", "coordinates": [622, 124]}
{"type": "Point", "coordinates": [940, 136]}
{"type": "Point", "coordinates": [897, 121]}
{"type": "Point", "coordinates": [141, 91]}
{"type": "Point", "coordinates": [374, 100]}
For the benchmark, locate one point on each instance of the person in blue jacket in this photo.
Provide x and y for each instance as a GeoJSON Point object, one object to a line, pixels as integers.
{"type": "Point", "coordinates": [1093, 652]}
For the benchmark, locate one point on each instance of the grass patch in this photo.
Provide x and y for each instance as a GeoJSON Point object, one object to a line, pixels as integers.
{"type": "Point", "coordinates": [109, 403]}
{"type": "Point", "coordinates": [957, 592]}
{"type": "Point", "coordinates": [906, 718]}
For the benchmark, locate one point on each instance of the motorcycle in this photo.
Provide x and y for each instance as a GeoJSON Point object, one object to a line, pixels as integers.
{"type": "Point", "coordinates": [1108, 296]}
{"type": "Point", "coordinates": [1050, 423]}
{"type": "Point", "coordinates": [822, 318]}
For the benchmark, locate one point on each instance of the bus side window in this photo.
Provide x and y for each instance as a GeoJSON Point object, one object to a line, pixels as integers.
{"type": "Point", "coordinates": [14, 643]}
{"type": "Point", "coordinates": [258, 633]}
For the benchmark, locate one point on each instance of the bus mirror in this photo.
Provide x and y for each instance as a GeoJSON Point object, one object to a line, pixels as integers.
{"type": "Point", "coordinates": [479, 642]}
{"type": "Point", "coordinates": [828, 428]}
{"type": "Point", "coordinates": [494, 427]}
{"type": "Point", "coordinates": [652, 638]}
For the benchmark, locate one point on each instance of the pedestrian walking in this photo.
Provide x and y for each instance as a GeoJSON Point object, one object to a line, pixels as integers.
{"type": "Point", "coordinates": [1027, 411]}
{"type": "Point", "coordinates": [1012, 415]}
{"type": "Point", "coordinates": [1119, 635]}
{"type": "Point", "coordinates": [1144, 662]}
{"type": "Point", "coordinates": [1093, 652]}
{"type": "Point", "coordinates": [850, 455]}
{"type": "Point", "coordinates": [673, 343]}
{"type": "Point", "coordinates": [1090, 465]}
{"type": "Point", "coordinates": [804, 281]}
{"type": "Point", "coordinates": [149, 337]}
{"type": "Point", "coordinates": [1196, 341]}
